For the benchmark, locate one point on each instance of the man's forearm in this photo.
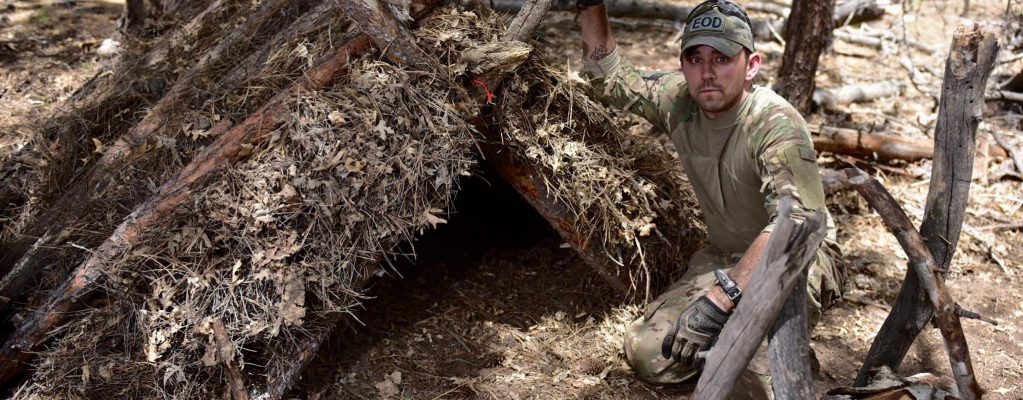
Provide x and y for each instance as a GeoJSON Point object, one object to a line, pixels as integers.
{"type": "Point", "coordinates": [741, 273]}
{"type": "Point", "coordinates": [596, 32]}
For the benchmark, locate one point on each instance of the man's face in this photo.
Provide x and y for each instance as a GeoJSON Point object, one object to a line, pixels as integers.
{"type": "Point", "coordinates": [718, 82]}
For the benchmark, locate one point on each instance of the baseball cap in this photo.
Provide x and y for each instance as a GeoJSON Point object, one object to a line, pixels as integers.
{"type": "Point", "coordinates": [720, 24]}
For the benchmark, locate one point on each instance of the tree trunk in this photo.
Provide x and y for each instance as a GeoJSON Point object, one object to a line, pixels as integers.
{"type": "Point", "coordinates": [970, 61]}
{"type": "Point", "coordinates": [811, 21]}
{"type": "Point", "coordinates": [135, 15]}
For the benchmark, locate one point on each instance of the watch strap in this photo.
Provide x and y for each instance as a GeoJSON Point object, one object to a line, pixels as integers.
{"type": "Point", "coordinates": [728, 285]}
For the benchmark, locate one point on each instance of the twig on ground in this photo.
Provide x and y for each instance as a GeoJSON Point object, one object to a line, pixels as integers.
{"type": "Point", "coordinates": [962, 312]}
{"type": "Point", "coordinates": [1014, 154]}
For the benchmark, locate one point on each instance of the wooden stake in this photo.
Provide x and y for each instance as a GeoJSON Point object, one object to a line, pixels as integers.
{"type": "Point", "coordinates": [969, 63]}
{"type": "Point", "coordinates": [924, 267]}
{"type": "Point", "coordinates": [790, 250]}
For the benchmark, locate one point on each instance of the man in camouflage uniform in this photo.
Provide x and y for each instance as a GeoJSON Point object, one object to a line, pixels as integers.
{"type": "Point", "coordinates": [743, 147]}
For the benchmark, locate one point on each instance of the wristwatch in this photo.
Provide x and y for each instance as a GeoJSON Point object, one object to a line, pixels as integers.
{"type": "Point", "coordinates": [728, 285]}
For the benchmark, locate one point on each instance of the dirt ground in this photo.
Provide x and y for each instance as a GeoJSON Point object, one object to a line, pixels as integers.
{"type": "Point", "coordinates": [494, 305]}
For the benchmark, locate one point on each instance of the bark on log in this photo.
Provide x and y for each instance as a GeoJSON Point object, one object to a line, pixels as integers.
{"type": "Point", "coordinates": [928, 273]}
{"type": "Point", "coordinates": [24, 258]}
{"type": "Point", "coordinates": [970, 61]}
{"type": "Point", "coordinates": [831, 98]}
{"type": "Point", "coordinates": [789, 252]}
{"type": "Point", "coordinates": [809, 19]}
{"type": "Point", "coordinates": [226, 149]}
{"type": "Point", "coordinates": [789, 348]}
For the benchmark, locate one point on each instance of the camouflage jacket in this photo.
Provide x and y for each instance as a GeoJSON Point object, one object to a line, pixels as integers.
{"type": "Point", "coordinates": [739, 164]}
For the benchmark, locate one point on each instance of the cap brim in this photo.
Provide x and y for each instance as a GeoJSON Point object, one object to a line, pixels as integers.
{"type": "Point", "coordinates": [725, 46]}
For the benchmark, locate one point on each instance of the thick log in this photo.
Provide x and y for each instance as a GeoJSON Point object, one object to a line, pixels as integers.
{"type": "Point", "coordinates": [24, 259]}
{"type": "Point", "coordinates": [928, 274]}
{"type": "Point", "coordinates": [831, 98]}
{"type": "Point", "coordinates": [809, 19]}
{"type": "Point", "coordinates": [970, 61]}
{"type": "Point", "coordinates": [789, 252]}
{"type": "Point", "coordinates": [870, 145]}
{"type": "Point", "coordinates": [789, 348]}
{"type": "Point", "coordinates": [876, 146]}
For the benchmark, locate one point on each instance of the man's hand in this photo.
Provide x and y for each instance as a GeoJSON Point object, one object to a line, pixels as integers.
{"type": "Point", "coordinates": [695, 330]}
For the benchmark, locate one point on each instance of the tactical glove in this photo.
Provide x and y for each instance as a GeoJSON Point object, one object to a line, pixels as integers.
{"type": "Point", "coordinates": [695, 330]}
{"type": "Point", "coordinates": [581, 4]}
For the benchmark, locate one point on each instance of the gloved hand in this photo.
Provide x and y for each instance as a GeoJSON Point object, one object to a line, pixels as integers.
{"type": "Point", "coordinates": [581, 4]}
{"type": "Point", "coordinates": [695, 330]}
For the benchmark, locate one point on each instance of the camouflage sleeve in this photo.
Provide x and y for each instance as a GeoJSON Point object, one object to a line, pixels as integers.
{"type": "Point", "coordinates": [653, 96]}
{"type": "Point", "coordinates": [787, 164]}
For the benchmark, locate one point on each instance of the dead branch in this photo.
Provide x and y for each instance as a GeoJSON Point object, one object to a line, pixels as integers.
{"type": "Point", "coordinates": [927, 271]}
{"type": "Point", "coordinates": [831, 98]}
{"type": "Point", "coordinates": [789, 253]}
{"type": "Point", "coordinates": [226, 149]}
{"type": "Point", "coordinates": [789, 347]}
{"type": "Point", "coordinates": [225, 355]}
{"type": "Point", "coordinates": [1005, 95]}
{"type": "Point", "coordinates": [964, 313]}
{"type": "Point", "coordinates": [970, 61]}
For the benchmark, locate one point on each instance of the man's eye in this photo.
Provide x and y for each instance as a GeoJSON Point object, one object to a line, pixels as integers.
{"type": "Point", "coordinates": [722, 59]}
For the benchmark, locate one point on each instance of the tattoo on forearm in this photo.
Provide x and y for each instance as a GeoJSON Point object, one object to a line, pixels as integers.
{"type": "Point", "coordinates": [599, 53]}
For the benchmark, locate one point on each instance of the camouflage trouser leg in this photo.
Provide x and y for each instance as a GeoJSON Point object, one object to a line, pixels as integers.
{"type": "Point", "coordinates": [643, 336]}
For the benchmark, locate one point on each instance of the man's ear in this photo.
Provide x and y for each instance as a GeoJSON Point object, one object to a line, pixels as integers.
{"type": "Point", "coordinates": [753, 66]}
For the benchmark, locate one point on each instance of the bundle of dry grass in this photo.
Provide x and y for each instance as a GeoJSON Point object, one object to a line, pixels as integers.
{"type": "Point", "coordinates": [279, 246]}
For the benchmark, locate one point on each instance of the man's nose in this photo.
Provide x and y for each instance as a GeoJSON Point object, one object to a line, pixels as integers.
{"type": "Point", "coordinates": [706, 72]}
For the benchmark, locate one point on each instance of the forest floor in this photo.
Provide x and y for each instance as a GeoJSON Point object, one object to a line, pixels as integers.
{"type": "Point", "coordinates": [494, 305]}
